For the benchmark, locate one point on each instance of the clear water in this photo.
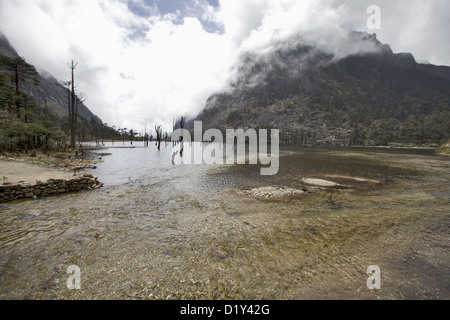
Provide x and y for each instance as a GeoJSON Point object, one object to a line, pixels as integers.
{"type": "Point", "coordinates": [163, 231]}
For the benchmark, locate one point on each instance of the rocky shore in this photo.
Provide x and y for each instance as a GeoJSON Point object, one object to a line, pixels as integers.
{"type": "Point", "coordinates": [11, 192]}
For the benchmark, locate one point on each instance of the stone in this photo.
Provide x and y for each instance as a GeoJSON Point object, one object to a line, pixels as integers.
{"type": "Point", "coordinates": [274, 193]}
{"type": "Point", "coordinates": [320, 182]}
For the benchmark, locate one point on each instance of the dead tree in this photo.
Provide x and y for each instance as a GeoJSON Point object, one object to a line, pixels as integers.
{"type": "Point", "coordinates": [158, 136]}
{"type": "Point", "coordinates": [181, 137]}
{"type": "Point", "coordinates": [73, 105]}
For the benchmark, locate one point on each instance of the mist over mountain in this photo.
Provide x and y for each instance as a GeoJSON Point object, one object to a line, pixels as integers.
{"type": "Point", "coordinates": [48, 92]}
{"type": "Point", "coordinates": [349, 91]}
{"type": "Point", "coordinates": [5, 48]}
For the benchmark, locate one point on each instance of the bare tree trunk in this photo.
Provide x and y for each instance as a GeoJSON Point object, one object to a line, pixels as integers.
{"type": "Point", "coordinates": [72, 105]}
{"type": "Point", "coordinates": [72, 133]}
{"type": "Point", "coordinates": [158, 136]}
{"type": "Point", "coordinates": [181, 138]}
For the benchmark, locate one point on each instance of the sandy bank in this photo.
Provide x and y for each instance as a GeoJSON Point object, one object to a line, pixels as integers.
{"type": "Point", "coordinates": [24, 180]}
{"type": "Point", "coordinates": [25, 169]}
{"type": "Point", "coordinates": [15, 171]}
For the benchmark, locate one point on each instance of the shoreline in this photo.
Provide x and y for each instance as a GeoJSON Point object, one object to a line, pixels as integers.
{"type": "Point", "coordinates": [33, 177]}
{"type": "Point", "coordinates": [62, 165]}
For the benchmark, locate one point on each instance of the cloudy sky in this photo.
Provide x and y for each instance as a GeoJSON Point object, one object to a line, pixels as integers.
{"type": "Point", "coordinates": [143, 62]}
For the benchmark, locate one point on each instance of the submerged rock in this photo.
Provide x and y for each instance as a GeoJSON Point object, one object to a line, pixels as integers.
{"type": "Point", "coordinates": [358, 179]}
{"type": "Point", "coordinates": [274, 193]}
{"type": "Point", "coordinates": [320, 182]}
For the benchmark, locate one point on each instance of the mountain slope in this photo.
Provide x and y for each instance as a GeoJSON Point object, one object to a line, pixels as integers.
{"type": "Point", "coordinates": [48, 93]}
{"type": "Point", "coordinates": [5, 48]}
{"type": "Point", "coordinates": [314, 97]}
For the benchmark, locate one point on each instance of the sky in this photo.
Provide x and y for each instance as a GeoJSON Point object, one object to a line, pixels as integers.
{"type": "Point", "coordinates": [144, 62]}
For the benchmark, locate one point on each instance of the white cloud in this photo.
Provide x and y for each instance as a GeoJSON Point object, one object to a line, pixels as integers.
{"type": "Point", "coordinates": [144, 69]}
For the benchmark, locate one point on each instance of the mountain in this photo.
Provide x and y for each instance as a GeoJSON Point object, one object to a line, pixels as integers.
{"type": "Point", "coordinates": [358, 94]}
{"type": "Point", "coordinates": [48, 92]}
{"type": "Point", "coordinates": [5, 48]}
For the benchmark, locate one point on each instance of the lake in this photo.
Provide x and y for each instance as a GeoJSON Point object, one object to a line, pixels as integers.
{"type": "Point", "coordinates": [162, 231]}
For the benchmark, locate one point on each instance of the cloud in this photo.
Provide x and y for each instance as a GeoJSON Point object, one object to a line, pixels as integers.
{"type": "Point", "coordinates": [170, 69]}
{"type": "Point", "coordinates": [416, 26]}
{"type": "Point", "coordinates": [141, 63]}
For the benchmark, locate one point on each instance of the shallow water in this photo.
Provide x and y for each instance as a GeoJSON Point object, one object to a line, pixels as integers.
{"type": "Point", "coordinates": [160, 231]}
